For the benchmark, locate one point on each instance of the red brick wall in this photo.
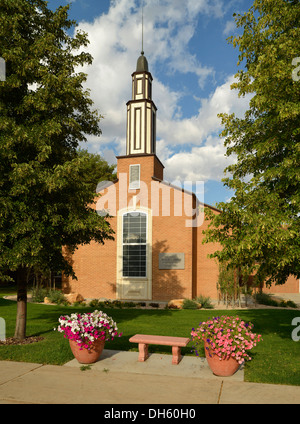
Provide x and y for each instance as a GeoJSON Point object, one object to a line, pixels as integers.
{"type": "Point", "coordinates": [207, 269]}
{"type": "Point", "coordinates": [291, 286]}
{"type": "Point", "coordinates": [95, 265]}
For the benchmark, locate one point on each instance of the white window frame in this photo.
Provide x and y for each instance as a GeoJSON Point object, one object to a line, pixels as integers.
{"type": "Point", "coordinates": [135, 244]}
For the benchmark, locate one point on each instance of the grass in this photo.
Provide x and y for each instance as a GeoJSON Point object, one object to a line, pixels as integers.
{"type": "Point", "coordinates": [275, 360]}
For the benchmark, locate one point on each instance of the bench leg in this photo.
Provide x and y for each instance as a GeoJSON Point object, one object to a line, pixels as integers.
{"type": "Point", "coordinates": [176, 355]}
{"type": "Point", "coordinates": [143, 352]}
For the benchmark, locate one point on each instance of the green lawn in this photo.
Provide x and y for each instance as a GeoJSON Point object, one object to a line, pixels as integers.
{"type": "Point", "coordinates": [275, 360]}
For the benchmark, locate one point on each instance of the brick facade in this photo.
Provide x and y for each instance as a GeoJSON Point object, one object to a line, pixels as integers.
{"type": "Point", "coordinates": [96, 265]}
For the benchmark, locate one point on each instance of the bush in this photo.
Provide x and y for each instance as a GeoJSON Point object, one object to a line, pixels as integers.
{"type": "Point", "coordinates": [79, 304]}
{"type": "Point", "coordinates": [39, 294]}
{"type": "Point", "coordinates": [154, 305]}
{"type": "Point", "coordinates": [265, 299]}
{"type": "Point", "coordinates": [204, 301]}
{"type": "Point", "coordinates": [94, 303]}
{"type": "Point", "coordinates": [190, 304]}
{"type": "Point", "coordinates": [287, 303]}
{"type": "Point", "coordinates": [56, 296]}
{"type": "Point", "coordinates": [291, 304]}
{"type": "Point", "coordinates": [117, 303]}
{"type": "Point", "coordinates": [129, 304]}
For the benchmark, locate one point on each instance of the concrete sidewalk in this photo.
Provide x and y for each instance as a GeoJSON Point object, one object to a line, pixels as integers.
{"type": "Point", "coordinates": [117, 378]}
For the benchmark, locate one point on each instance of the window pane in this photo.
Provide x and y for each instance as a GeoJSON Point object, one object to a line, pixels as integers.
{"type": "Point", "coordinates": [134, 228]}
{"type": "Point", "coordinates": [134, 260]}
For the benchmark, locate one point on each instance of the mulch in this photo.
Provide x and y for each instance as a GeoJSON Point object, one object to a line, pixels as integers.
{"type": "Point", "coordinates": [27, 340]}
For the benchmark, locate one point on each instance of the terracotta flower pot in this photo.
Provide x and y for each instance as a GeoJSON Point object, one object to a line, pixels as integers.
{"type": "Point", "coordinates": [223, 367]}
{"type": "Point", "coordinates": [87, 356]}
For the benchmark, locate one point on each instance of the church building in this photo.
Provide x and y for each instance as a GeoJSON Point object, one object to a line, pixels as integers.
{"type": "Point", "coordinates": [157, 252]}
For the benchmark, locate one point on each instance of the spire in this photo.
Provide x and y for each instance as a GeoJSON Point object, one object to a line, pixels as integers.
{"type": "Point", "coordinates": [142, 63]}
{"type": "Point", "coordinates": [141, 110]}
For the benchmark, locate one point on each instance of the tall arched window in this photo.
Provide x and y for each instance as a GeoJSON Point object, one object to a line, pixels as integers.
{"type": "Point", "coordinates": [134, 244]}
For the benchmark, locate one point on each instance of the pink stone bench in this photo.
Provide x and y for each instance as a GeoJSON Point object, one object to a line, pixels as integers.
{"type": "Point", "coordinates": [144, 340]}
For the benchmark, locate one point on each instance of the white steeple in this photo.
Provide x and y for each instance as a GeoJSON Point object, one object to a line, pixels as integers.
{"type": "Point", "coordinates": [141, 112]}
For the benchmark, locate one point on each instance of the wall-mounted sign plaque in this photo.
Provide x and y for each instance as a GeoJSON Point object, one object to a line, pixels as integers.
{"type": "Point", "coordinates": [171, 261]}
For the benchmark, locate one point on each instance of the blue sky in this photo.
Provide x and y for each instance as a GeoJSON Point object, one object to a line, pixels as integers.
{"type": "Point", "coordinates": [193, 66]}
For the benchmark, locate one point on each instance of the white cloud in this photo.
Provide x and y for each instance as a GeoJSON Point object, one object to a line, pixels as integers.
{"type": "Point", "coordinates": [196, 129]}
{"type": "Point", "coordinates": [230, 28]}
{"type": "Point", "coordinates": [202, 163]}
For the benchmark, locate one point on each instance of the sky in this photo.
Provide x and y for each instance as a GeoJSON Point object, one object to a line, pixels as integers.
{"type": "Point", "coordinates": [192, 65]}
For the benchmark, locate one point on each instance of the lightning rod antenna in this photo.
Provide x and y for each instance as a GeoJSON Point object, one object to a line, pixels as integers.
{"type": "Point", "coordinates": [142, 26]}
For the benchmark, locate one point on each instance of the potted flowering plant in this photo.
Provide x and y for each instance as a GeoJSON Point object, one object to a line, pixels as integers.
{"type": "Point", "coordinates": [227, 340]}
{"type": "Point", "coordinates": [87, 334]}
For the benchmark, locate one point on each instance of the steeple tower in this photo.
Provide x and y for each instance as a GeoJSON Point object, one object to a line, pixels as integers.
{"type": "Point", "coordinates": [141, 112]}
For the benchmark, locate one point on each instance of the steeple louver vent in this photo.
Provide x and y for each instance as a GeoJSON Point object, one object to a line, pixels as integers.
{"type": "Point", "coordinates": [134, 177]}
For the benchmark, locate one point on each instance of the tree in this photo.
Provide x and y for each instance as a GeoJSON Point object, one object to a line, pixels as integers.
{"type": "Point", "coordinates": [47, 189]}
{"type": "Point", "coordinates": [259, 227]}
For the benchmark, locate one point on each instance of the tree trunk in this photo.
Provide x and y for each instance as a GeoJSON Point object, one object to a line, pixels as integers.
{"type": "Point", "coordinates": [20, 330]}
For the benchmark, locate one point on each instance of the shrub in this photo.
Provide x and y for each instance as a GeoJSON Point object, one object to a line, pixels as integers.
{"type": "Point", "coordinates": [56, 296]}
{"type": "Point", "coordinates": [265, 299]}
{"type": "Point", "coordinates": [117, 303]}
{"type": "Point", "coordinates": [154, 305]}
{"type": "Point", "coordinates": [39, 294]}
{"type": "Point", "coordinates": [291, 304]}
{"type": "Point", "coordinates": [190, 304]}
{"type": "Point", "coordinates": [79, 304]}
{"type": "Point", "coordinates": [94, 303]}
{"type": "Point", "coordinates": [204, 301]}
{"type": "Point", "coordinates": [129, 304]}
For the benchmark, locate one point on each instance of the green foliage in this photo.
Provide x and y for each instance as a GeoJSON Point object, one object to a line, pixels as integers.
{"type": "Point", "coordinates": [258, 229]}
{"type": "Point", "coordinates": [94, 303]}
{"type": "Point", "coordinates": [265, 299]}
{"type": "Point", "coordinates": [129, 304]}
{"type": "Point", "coordinates": [39, 294]}
{"type": "Point", "coordinates": [198, 302]}
{"type": "Point", "coordinates": [56, 296]}
{"type": "Point", "coordinates": [291, 304]}
{"type": "Point", "coordinates": [47, 185]}
{"type": "Point", "coordinates": [204, 301]}
{"type": "Point", "coordinates": [154, 304]}
{"type": "Point", "coordinates": [190, 304]}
